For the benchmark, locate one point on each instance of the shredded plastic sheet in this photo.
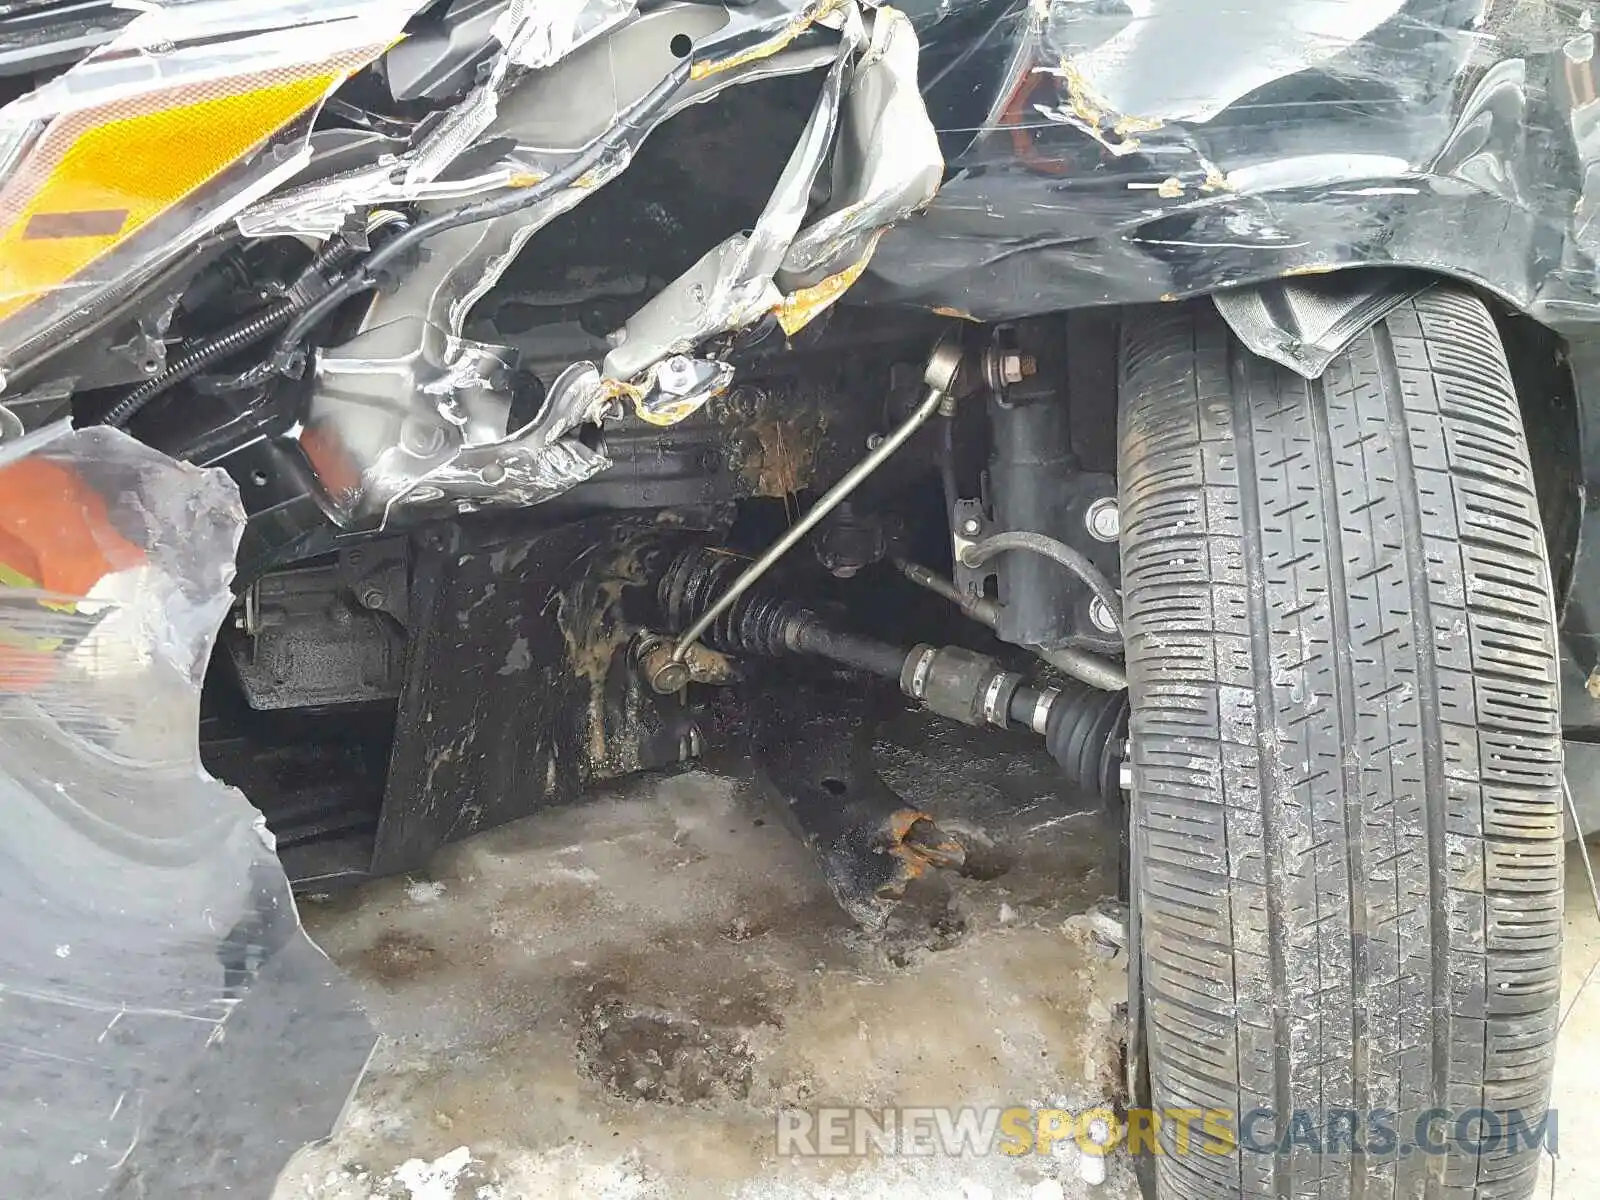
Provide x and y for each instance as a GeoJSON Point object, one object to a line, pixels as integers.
{"type": "Point", "coordinates": [1153, 150]}
{"type": "Point", "coordinates": [166, 1028]}
{"type": "Point", "coordinates": [870, 125]}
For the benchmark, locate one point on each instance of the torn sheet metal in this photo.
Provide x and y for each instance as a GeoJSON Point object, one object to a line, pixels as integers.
{"type": "Point", "coordinates": [678, 387]}
{"type": "Point", "coordinates": [1306, 323]}
{"type": "Point", "coordinates": [732, 285]}
{"type": "Point", "coordinates": [1159, 149]}
{"type": "Point", "coordinates": [380, 424]}
{"type": "Point", "coordinates": [566, 72]}
{"type": "Point", "coordinates": [886, 161]}
{"type": "Point", "coordinates": [166, 1028]}
{"type": "Point", "coordinates": [430, 428]}
{"type": "Point", "coordinates": [548, 83]}
{"type": "Point", "coordinates": [869, 122]}
{"type": "Point", "coordinates": [532, 34]}
{"type": "Point", "coordinates": [1098, 153]}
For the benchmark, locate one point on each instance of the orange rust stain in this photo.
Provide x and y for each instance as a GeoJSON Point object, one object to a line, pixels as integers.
{"type": "Point", "coordinates": [795, 312]}
{"type": "Point", "coordinates": [915, 858]}
{"type": "Point", "coordinates": [785, 455]}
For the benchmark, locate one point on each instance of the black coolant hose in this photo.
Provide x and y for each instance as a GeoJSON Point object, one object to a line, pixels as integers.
{"type": "Point", "coordinates": [202, 352]}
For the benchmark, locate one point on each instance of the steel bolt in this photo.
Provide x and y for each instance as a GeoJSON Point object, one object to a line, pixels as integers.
{"type": "Point", "coordinates": [676, 376]}
{"type": "Point", "coordinates": [1014, 368]}
{"type": "Point", "coordinates": [874, 440]}
{"type": "Point", "coordinates": [670, 677]}
{"type": "Point", "coordinates": [970, 526]}
{"type": "Point", "coordinates": [372, 597]}
{"type": "Point", "coordinates": [664, 674]}
{"type": "Point", "coordinates": [1103, 520]}
{"type": "Point", "coordinates": [1101, 616]}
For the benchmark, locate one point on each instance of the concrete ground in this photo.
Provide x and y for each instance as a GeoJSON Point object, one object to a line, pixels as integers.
{"type": "Point", "coordinates": [1571, 1174]}
{"type": "Point", "coordinates": [612, 1001]}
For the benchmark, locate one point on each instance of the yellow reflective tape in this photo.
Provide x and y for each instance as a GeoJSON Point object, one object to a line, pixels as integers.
{"type": "Point", "coordinates": [99, 174]}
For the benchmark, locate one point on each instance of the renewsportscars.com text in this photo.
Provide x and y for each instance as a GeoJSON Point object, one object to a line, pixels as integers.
{"type": "Point", "coordinates": [1028, 1129]}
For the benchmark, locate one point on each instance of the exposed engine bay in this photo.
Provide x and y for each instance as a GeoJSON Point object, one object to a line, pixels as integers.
{"type": "Point", "coordinates": [351, 333]}
{"type": "Point", "coordinates": [644, 644]}
{"type": "Point", "coordinates": [433, 415]}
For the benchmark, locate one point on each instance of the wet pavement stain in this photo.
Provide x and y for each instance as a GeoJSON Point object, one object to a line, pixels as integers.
{"type": "Point", "coordinates": [396, 957]}
{"type": "Point", "coordinates": [640, 1052]}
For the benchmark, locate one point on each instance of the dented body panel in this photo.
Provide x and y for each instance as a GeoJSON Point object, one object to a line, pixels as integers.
{"type": "Point", "coordinates": [1109, 153]}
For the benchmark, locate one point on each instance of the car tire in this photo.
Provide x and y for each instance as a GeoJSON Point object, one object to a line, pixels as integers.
{"type": "Point", "coordinates": [1345, 757]}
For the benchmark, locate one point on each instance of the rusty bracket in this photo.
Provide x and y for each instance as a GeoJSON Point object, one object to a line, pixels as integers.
{"type": "Point", "coordinates": [816, 755]}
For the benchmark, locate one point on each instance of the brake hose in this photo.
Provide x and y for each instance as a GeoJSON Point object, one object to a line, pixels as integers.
{"type": "Point", "coordinates": [978, 553]}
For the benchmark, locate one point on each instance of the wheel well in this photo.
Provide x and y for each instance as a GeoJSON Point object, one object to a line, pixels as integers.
{"type": "Point", "coordinates": [1542, 371]}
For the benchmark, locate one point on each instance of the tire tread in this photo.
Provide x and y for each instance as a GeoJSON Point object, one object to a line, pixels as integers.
{"type": "Point", "coordinates": [1345, 742]}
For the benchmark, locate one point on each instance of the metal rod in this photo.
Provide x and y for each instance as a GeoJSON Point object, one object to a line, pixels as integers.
{"type": "Point", "coordinates": [1091, 668]}
{"type": "Point", "coordinates": [1080, 664]}
{"type": "Point", "coordinates": [983, 611]}
{"type": "Point", "coordinates": [975, 554]}
{"type": "Point", "coordinates": [829, 501]}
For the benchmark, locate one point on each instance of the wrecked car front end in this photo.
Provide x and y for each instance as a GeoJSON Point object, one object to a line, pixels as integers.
{"type": "Point", "coordinates": [523, 387]}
